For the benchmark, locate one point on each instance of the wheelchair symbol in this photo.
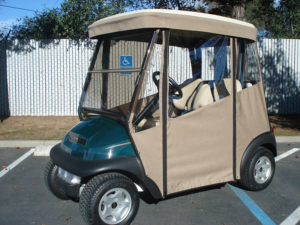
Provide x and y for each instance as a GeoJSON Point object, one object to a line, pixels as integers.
{"type": "Point", "coordinates": [125, 62]}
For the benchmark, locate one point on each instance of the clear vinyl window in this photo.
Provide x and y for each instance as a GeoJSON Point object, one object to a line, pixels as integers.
{"type": "Point", "coordinates": [200, 64]}
{"type": "Point", "coordinates": [109, 90]}
{"type": "Point", "coordinates": [108, 86]}
{"type": "Point", "coordinates": [248, 70]}
{"type": "Point", "coordinates": [146, 114]}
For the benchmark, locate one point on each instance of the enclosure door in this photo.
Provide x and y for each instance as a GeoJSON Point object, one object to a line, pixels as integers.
{"type": "Point", "coordinates": [200, 140]}
{"type": "Point", "coordinates": [148, 140]}
{"type": "Point", "coordinates": [200, 147]}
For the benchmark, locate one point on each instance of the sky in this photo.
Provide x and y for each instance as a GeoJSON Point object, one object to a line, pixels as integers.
{"type": "Point", "coordinates": [9, 16]}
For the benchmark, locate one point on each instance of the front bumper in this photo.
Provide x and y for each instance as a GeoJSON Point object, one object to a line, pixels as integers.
{"type": "Point", "coordinates": [86, 168]}
{"type": "Point", "coordinates": [129, 165]}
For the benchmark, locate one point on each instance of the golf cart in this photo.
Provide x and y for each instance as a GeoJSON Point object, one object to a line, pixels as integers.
{"type": "Point", "coordinates": [172, 101]}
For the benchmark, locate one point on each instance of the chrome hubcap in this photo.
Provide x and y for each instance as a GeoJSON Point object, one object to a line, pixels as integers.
{"type": "Point", "coordinates": [262, 169]}
{"type": "Point", "coordinates": [115, 205]}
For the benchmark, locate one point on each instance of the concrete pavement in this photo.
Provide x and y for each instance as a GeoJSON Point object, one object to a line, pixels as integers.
{"type": "Point", "coordinates": [23, 188]}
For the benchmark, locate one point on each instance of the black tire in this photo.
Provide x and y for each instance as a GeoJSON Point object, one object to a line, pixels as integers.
{"type": "Point", "coordinates": [49, 177]}
{"type": "Point", "coordinates": [98, 189]}
{"type": "Point", "coordinates": [251, 179]}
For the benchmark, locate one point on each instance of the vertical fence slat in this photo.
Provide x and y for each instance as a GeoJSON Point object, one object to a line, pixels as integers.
{"type": "Point", "coordinates": [272, 75]}
{"type": "Point", "coordinates": [296, 72]}
{"type": "Point", "coordinates": [274, 80]}
{"type": "Point", "coordinates": [292, 78]}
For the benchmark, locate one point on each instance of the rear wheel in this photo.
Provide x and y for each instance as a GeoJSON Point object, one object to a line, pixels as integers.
{"type": "Point", "coordinates": [110, 198]}
{"type": "Point", "coordinates": [259, 171]}
{"type": "Point", "coordinates": [49, 177]}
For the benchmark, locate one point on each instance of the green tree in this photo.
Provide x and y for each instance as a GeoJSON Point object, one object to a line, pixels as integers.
{"type": "Point", "coordinates": [77, 15]}
{"type": "Point", "coordinates": [275, 21]}
{"type": "Point", "coordinates": [3, 28]}
{"type": "Point", "coordinates": [188, 5]}
{"type": "Point", "coordinates": [259, 13]}
{"type": "Point", "coordinates": [71, 21]}
{"type": "Point", "coordinates": [4, 32]}
{"type": "Point", "coordinates": [285, 22]}
{"type": "Point", "coordinates": [230, 8]}
{"type": "Point", "coordinates": [40, 26]}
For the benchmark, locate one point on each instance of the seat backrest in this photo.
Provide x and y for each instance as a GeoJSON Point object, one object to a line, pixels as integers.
{"type": "Point", "coordinates": [186, 93]}
{"type": "Point", "coordinates": [204, 96]}
{"type": "Point", "coordinates": [224, 88]}
{"type": "Point", "coordinates": [200, 98]}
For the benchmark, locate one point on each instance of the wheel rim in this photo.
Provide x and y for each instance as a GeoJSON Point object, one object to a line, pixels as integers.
{"type": "Point", "coordinates": [115, 206]}
{"type": "Point", "coordinates": [262, 169]}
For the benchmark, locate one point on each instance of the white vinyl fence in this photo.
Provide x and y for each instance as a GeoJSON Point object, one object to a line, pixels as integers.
{"type": "Point", "coordinates": [45, 77]}
{"type": "Point", "coordinates": [280, 64]}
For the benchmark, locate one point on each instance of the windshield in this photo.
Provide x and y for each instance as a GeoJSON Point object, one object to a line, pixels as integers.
{"type": "Point", "coordinates": [113, 71]}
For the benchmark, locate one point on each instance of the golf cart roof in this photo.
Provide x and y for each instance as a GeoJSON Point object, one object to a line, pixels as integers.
{"type": "Point", "coordinates": [173, 19]}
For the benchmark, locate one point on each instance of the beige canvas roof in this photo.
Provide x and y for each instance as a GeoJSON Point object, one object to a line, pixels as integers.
{"type": "Point", "coordinates": [173, 19]}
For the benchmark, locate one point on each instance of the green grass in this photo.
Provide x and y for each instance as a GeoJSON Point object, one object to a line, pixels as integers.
{"type": "Point", "coordinates": [50, 128]}
{"type": "Point", "coordinates": [34, 134]}
{"type": "Point", "coordinates": [287, 133]}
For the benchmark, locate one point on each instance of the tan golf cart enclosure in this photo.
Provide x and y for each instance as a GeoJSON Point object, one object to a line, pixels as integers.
{"type": "Point", "coordinates": [172, 101]}
{"type": "Point", "coordinates": [200, 130]}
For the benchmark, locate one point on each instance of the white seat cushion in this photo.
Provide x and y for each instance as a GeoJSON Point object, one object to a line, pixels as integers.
{"type": "Point", "coordinates": [148, 123]}
{"type": "Point", "coordinates": [203, 98]}
{"type": "Point", "coordinates": [186, 93]}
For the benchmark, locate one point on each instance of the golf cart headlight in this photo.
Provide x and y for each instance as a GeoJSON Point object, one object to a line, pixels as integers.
{"type": "Point", "coordinates": [68, 177]}
{"type": "Point", "coordinates": [72, 137]}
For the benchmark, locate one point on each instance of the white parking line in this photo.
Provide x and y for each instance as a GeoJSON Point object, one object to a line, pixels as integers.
{"type": "Point", "coordinates": [15, 163]}
{"type": "Point", "coordinates": [258, 212]}
{"type": "Point", "coordinates": [293, 219]}
{"type": "Point", "coordinates": [286, 154]}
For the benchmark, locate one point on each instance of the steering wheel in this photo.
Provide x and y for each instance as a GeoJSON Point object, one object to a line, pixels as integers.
{"type": "Point", "coordinates": [174, 89]}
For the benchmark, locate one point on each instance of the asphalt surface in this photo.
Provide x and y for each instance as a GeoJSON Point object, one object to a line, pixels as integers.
{"type": "Point", "coordinates": [25, 199]}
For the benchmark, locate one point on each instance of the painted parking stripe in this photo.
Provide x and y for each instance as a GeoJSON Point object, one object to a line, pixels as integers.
{"type": "Point", "coordinates": [293, 219]}
{"type": "Point", "coordinates": [252, 206]}
{"type": "Point", "coordinates": [15, 163]}
{"type": "Point", "coordinates": [286, 154]}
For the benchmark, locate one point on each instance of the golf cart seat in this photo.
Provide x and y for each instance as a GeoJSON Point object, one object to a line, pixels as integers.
{"type": "Point", "coordinates": [224, 88]}
{"type": "Point", "coordinates": [202, 97]}
{"type": "Point", "coordinates": [180, 104]}
{"type": "Point", "coordinates": [205, 95]}
{"type": "Point", "coordinates": [148, 123]}
{"type": "Point", "coordinates": [186, 93]}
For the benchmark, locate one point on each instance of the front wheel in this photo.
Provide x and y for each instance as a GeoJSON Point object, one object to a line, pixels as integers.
{"type": "Point", "coordinates": [109, 198]}
{"type": "Point", "coordinates": [259, 171]}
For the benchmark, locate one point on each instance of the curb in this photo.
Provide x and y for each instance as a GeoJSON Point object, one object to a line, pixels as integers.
{"type": "Point", "coordinates": [42, 147]}
{"type": "Point", "coordinates": [42, 150]}
{"type": "Point", "coordinates": [286, 139]}
{"type": "Point", "coordinates": [27, 143]}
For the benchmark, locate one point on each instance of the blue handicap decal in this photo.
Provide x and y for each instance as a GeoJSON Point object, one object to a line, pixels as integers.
{"type": "Point", "coordinates": [126, 63]}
